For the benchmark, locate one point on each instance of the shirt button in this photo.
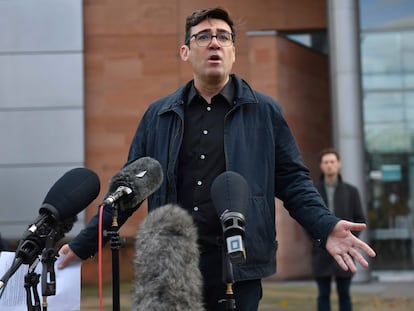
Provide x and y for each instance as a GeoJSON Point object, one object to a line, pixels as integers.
{"type": "Point", "coordinates": [195, 208]}
{"type": "Point", "coordinates": [205, 132]}
{"type": "Point", "coordinates": [199, 183]}
{"type": "Point", "coordinates": [208, 108]}
{"type": "Point", "coordinates": [202, 157]}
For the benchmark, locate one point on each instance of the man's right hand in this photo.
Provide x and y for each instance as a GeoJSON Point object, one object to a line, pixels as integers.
{"type": "Point", "coordinates": [69, 256]}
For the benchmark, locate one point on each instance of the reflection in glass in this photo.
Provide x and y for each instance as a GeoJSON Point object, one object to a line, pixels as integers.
{"type": "Point", "coordinates": [386, 15]}
{"type": "Point", "coordinates": [380, 51]}
{"type": "Point", "coordinates": [388, 137]}
{"type": "Point", "coordinates": [387, 62]}
{"type": "Point", "coordinates": [383, 81]}
{"type": "Point", "coordinates": [383, 107]}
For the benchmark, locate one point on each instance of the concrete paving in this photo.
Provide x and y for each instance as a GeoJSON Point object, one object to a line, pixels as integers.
{"type": "Point", "coordinates": [389, 284]}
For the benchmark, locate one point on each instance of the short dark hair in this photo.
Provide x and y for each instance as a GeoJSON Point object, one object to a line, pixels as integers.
{"type": "Point", "coordinates": [329, 150]}
{"type": "Point", "coordinates": [200, 15]}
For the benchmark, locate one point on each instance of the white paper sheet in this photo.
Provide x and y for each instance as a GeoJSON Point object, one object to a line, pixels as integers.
{"type": "Point", "coordinates": [68, 283]}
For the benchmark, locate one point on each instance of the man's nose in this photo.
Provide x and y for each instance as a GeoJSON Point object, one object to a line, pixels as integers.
{"type": "Point", "coordinates": [214, 42]}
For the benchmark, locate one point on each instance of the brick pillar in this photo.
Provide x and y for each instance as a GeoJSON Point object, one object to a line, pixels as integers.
{"type": "Point", "coordinates": [297, 78]}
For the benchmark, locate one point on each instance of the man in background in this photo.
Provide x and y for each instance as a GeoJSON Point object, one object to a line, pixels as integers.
{"type": "Point", "coordinates": [344, 201]}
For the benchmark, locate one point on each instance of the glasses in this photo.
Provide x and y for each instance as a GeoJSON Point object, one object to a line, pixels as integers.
{"type": "Point", "coordinates": [203, 38]}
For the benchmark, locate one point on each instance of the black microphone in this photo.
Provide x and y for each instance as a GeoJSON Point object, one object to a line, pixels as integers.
{"type": "Point", "coordinates": [167, 275]}
{"type": "Point", "coordinates": [72, 193]}
{"type": "Point", "coordinates": [134, 183]}
{"type": "Point", "coordinates": [230, 194]}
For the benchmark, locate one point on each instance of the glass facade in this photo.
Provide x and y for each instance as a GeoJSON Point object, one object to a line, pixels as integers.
{"type": "Point", "coordinates": [387, 62]}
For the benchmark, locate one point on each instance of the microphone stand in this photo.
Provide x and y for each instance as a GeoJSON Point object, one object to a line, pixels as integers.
{"type": "Point", "coordinates": [229, 280]}
{"type": "Point", "coordinates": [115, 245]}
{"type": "Point", "coordinates": [49, 257]}
{"type": "Point", "coordinates": [31, 279]}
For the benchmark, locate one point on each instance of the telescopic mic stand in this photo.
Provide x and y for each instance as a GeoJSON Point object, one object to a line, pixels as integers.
{"type": "Point", "coordinates": [229, 280]}
{"type": "Point", "coordinates": [115, 245]}
{"type": "Point", "coordinates": [49, 257]}
{"type": "Point", "coordinates": [31, 279]}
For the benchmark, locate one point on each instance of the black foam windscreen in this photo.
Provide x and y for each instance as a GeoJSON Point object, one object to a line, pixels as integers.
{"type": "Point", "coordinates": [230, 192]}
{"type": "Point", "coordinates": [72, 193]}
{"type": "Point", "coordinates": [143, 176]}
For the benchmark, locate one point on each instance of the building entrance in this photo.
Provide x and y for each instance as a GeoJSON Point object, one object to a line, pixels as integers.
{"type": "Point", "coordinates": [390, 210]}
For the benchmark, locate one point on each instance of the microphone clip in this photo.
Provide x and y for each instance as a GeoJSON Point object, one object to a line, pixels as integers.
{"type": "Point", "coordinates": [119, 192]}
{"type": "Point", "coordinates": [233, 225]}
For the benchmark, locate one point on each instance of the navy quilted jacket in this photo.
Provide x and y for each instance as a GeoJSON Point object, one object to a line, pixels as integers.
{"type": "Point", "coordinates": [259, 145]}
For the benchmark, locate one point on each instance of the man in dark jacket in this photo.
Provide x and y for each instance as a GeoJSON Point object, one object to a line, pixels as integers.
{"type": "Point", "coordinates": [344, 201]}
{"type": "Point", "coordinates": [216, 123]}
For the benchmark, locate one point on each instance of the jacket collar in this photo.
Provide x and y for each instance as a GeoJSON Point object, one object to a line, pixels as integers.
{"type": "Point", "coordinates": [322, 179]}
{"type": "Point", "coordinates": [244, 94]}
{"type": "Point", "coordinates": [227, 92]}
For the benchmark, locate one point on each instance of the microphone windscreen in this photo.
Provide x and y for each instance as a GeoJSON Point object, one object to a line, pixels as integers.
{"type": "Point", "coordinates": [230, 191]}
{"type": "Point", "coordinates": [143, 176]}
{"type": "Point", "coordinates": [72, 193]}
{"type": "Point", "coordinates": [167, 262]}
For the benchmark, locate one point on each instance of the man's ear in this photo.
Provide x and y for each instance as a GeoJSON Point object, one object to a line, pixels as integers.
{"type": "Point", "coordinates": [184, 51]}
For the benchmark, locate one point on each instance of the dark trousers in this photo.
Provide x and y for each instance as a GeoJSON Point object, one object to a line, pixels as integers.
{"type": "Point", "coordinates": [343, 285]}
{"type": "Point", "coordinates": [247, 294]}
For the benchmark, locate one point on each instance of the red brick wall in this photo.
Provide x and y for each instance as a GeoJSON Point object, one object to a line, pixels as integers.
{"type": "Point", "coordinates": [298, 78]}
{"type": "Point", "coordinates": [131, 59]}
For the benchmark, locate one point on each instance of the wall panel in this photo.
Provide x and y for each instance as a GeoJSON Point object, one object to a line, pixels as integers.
{"type": "Point", "coordinates": [41, 104]}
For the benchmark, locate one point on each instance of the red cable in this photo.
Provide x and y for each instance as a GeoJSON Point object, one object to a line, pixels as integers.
{"type": "Point", "coordinates": [100, 234]}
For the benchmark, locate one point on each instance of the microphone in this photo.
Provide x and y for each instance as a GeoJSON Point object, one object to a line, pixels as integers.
{"type": "Point", "coordinates": [230, 194]}
{"type": "Point", "coordinates": [72, 193]}
{"type": "Point", "coordinates": [167, 276]}
{"type": "Point", "coordinates": [134, 183]}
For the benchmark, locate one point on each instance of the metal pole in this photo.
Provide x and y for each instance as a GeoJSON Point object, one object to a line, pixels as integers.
{"type": "Point", "coordinates": [344, 52]}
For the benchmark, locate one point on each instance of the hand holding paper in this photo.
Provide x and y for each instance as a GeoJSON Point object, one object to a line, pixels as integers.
{"type": "Point", "coordinates": [68, 283]}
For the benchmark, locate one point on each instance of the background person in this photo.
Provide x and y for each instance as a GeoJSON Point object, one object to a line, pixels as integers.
{"type": "Point", "coordinates": [344, 201]}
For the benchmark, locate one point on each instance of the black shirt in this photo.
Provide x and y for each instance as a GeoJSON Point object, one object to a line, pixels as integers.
{"type": "Point", "coordinates": [202, 159]}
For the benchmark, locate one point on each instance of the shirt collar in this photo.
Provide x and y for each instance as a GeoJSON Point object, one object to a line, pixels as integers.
{"type": "Point", "coordinates": [331, 185]}
{"type": "Point", "coordinates": [227, 92]}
